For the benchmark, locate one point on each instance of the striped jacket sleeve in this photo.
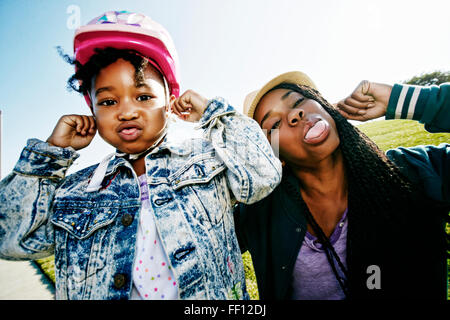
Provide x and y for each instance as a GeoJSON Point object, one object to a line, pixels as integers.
{"type": "Point", "coordinates": [428, 105]}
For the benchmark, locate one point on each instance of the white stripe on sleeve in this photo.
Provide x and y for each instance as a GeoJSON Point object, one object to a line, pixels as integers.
{"type": "Point", "coordinates": [401, 100]}
{"type": "Point", "coordinates": [412, 103]}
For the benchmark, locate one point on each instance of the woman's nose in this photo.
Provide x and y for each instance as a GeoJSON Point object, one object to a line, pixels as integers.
{"type": "Point", "coordinates": [295, 116]}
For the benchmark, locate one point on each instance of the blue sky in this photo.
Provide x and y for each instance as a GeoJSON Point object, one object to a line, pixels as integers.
{"type": "Point", "coordinates": [226, 48]}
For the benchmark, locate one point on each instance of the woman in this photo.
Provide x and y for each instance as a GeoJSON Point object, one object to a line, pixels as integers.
{"type": "Point", "coordinates": [347, 221]}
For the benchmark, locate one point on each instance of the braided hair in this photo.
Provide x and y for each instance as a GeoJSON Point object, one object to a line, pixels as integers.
{"type": "Point", "coordinates": [377, 190]}
{"type": "Point", "coordinates": [367, 166]}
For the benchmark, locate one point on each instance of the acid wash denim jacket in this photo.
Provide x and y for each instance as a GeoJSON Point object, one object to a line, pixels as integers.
{"type": "Point", "coordinates": [192, 188]}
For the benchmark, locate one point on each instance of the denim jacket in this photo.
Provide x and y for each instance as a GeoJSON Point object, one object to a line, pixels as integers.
{"type": "Point", "coordinates": [192, 188]}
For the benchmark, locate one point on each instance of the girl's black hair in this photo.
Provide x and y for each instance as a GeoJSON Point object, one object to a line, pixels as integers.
{"type": "Point", "coordinates": [379, 195]}
{"type": "Point", "coordinates": [81, 81]}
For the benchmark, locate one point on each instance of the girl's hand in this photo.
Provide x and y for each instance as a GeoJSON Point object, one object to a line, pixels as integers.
{"type": "Point", "coordinates": [368, 101]}
{"type": "Point", "coordinates": [76, 131]}
{"type": "Point", "coordinates": [189, 106]}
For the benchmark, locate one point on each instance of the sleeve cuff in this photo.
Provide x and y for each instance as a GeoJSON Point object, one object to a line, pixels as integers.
{"type": "Point", "coordinates": [40, 159]}
{"type": "Point", "coordinates": [216, 107]}
{"type": "Point", "coordinates": [406, 102]}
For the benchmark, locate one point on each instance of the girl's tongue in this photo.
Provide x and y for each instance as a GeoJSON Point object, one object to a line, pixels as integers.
{"type": "Point", "coordinates": [317, 133]}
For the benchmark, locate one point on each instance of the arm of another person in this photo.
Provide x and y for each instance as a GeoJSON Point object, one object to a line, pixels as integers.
{"type": "Point", "coordinates": [428, 166]}
{"type": "Point", "coordinates": [428, 105]}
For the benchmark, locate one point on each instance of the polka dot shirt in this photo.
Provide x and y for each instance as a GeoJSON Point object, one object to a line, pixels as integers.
{"type": "Point", "coordinates": [153, 278]}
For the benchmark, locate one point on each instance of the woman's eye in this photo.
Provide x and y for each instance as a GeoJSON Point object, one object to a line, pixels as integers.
{"type": "Point", "coordinates": [107, 102]}
{"type": "Point", "coordinates": [298, 102]}
{"type": "Point", "coordinates": [276, 125]}
{"type": "Point", "coordinates": [144, 97]}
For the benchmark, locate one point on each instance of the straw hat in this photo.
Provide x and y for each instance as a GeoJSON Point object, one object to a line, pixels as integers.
{"type": "Point", "coordinates": [253, 98]}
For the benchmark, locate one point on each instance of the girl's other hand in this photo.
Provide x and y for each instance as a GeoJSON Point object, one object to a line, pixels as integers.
{"type": "Point", "coordinates": [76, 131]}
{"type": "Point", "coordinates": [368, 101]}
{"type": "Point", "coordinates": [189, 106]}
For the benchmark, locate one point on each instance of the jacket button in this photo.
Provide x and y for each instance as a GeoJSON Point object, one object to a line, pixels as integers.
{"type": "Point", "coordinates": [119, 280]}
{"type": "Point", "coordinates": [127, 219]}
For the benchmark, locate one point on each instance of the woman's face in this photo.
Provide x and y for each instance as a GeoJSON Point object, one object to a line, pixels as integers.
{"type": "Point", "coordinates": [306, 133]}
{"type": "Point", "coordinates": [129, 116]}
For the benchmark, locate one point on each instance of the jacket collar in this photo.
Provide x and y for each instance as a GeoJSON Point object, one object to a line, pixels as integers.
{"type": "Point", "coordinates": [287, 232]}
{"type": "Point", "coordinates": [112, 162]}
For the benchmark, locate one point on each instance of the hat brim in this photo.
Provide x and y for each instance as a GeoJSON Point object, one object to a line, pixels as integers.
{"type": "Point", "coordinates": [252, 99]}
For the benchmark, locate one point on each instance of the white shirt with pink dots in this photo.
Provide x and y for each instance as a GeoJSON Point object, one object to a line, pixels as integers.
{"type": "Point", "coordinates": [153, 278]}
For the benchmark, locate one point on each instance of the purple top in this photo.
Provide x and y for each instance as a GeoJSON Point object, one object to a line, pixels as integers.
{"type": "Point", "coordinates": [142, 185]}
{"type": "Point", "coordinates": [313, 278]}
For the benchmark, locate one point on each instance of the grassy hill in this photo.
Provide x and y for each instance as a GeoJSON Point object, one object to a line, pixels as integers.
{"type": "Point", "coordinates": [387, 134]}
{"type": "Point", "coordinates": [406, 133]}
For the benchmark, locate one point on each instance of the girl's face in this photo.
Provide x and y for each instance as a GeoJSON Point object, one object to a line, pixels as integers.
{"type": "Point", "coordinates": [306, 133]}
{"type": "Point", "coordinates": [129, 116]}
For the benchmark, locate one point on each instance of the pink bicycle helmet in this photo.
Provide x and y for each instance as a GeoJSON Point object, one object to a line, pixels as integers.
{"type": "Point", "coordinates": [127, 30]}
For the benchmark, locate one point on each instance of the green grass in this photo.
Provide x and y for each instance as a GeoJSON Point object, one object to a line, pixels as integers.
{"type": "Point", "coordinates": [386, 134]}
{"type": "Point", "coordinates": [47, 265]}
{"type": "Point", "coordinates": [406, 133]}
{"type": "Point", "coordinates": [250, 278]}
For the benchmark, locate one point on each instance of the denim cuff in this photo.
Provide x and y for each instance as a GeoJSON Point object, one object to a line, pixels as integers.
{"type": "Point", "coordinates": [40, 159]}
{"type": "Point", "coordinates": [216, 108]}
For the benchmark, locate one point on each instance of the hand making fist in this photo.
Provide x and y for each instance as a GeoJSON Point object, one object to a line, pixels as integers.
{"type": "Point", "coordinates": [368, 101]}
{"type": "Point", "coordinates": [189, 106]}
{"type": "Point", "coordinates": [76, 131]}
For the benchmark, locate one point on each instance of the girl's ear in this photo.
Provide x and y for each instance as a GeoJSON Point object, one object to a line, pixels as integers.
{"type": "Point", "coordinates": [172, 98]}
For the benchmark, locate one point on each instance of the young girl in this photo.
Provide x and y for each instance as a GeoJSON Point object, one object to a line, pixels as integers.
{"type": "Point", "coordinates": [153, 221]}
{"type": "Point", "coordinates": [348, 221]}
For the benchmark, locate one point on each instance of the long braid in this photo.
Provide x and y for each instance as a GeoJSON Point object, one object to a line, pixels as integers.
{"type": "Point", "coordinates": [367, 166]}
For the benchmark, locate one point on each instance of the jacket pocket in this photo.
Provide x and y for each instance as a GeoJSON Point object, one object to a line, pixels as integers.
{"type": "Point", "coordinates": [203, 180]}
{"type": "Point", "coordinates": [82, 218]}
{"type": "Point", "coordinates": [82, 243]}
